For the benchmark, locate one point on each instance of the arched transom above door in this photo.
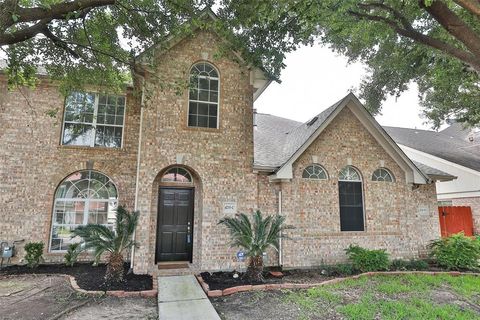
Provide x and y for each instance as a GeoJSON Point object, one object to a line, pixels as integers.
{"type": "Point", "coordinates": [178, 175]}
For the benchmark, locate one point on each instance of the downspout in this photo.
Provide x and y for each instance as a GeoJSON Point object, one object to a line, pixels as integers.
{"type": "Point", "coordinates": [137, 178]}
{"type": "Point", "coordinates": [280, 260]}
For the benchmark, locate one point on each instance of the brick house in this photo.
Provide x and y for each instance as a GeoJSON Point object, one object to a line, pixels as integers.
{"type": "Point", "coordinates": [186, 160]}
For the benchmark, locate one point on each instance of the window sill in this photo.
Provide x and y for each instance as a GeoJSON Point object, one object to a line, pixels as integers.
{"type": "Point", "coordinates": [203, 129]}
{"type": "Point", "coordinates": [67, 147]}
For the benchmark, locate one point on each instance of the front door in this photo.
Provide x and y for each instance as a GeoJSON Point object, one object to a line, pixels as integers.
{"type": "Point", "coordinates": [175, 225]}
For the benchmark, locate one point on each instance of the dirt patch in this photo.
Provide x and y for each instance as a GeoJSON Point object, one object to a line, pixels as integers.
{"type": "Point", "coordinates": [32, 297]}
{"type": "Point", "coordinates": [87, 276]}
{"type": "Point", "coordinates": [223, 280]}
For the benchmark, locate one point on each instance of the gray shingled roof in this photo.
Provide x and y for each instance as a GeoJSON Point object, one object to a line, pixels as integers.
{"type": "Point", "coordinates": [41, 71]}
{"type": "Point", "coordinates": [438, 144]}
{"type": "Point", "coordinates": [277, 139]}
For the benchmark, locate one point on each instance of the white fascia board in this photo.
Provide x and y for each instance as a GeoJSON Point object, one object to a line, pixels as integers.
{"type": "Point", "coordinates": [412, 173]}
{"type": "Point", "coordinates": [441, 160]}
{"type": "Point", "coordinates": [465, 194]}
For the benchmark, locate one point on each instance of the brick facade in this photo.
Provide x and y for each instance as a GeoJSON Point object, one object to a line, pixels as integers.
{"type": "Point", "coordinates": [33, 163]}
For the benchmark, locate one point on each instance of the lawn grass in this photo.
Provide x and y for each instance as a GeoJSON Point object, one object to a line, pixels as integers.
{"type": "Point", "coordinates": [392, 297]}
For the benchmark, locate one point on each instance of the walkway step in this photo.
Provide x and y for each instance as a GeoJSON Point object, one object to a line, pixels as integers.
{"type": "Point", "coordinates": [182, 298]}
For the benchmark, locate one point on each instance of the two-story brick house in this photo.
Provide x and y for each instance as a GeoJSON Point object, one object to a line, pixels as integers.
{"type": "Point", "coordinates": [185, 161]}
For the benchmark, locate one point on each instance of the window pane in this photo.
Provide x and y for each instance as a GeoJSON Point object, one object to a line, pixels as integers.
{"type": "Point", "coordinates": [213, 96]}
{"type": "Point", "coordinates": [202, 109]}
{"type": "Point", "coordinates": [77, 134]}
{"type": "Point", "coordinates": [193, 94]}
{"type": "Point", "coordinates": [192, 120]}
{"type": "Point", "coordinates": [212, 122]}
{"type": "Point", "coordinates": [203, 83]}
{"type": "Point", "coordinates": [192, 108]}
{"type": "Point", "coordinates": [202, 121]}
{"type": "Point", "coordinates": [214, 85]}
{"type": "Point", "coordinates": [212, 110]}
{"type": "Point", "coordinates": [203, 95]}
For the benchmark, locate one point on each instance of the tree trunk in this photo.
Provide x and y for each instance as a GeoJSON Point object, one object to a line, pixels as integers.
{"type": "Point", "coordinates": [114, 268]}
{"type": "Point", "coordinates": [255, 269]}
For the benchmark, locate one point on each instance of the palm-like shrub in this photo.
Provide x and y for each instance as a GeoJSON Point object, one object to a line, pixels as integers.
{"type": "Point", "coordinates": [102, 239]}
{"type": "Point", "coordinates": [255, 237]}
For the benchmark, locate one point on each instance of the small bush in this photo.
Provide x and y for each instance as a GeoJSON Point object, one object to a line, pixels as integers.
{"type": "Point", "coordinates": [403, 265]}
{"type": "Point", "coordinates": [366, 260]}
{"type": "Point", "coordinates": [34, 251]}
{"type": "Point", "coordinates": [456, 252]}
{"type": "Point", "coordinates": [344, 269]}
{"type": "Point", "coordinates": [418, 265]}
{"type": "Point", "coordinates": [71, 256]}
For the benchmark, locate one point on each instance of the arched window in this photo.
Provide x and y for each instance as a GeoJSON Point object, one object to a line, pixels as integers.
{"type": "Point", "coordinates": [350, 194]}
{"type": "Point", "coordinates": [382, 174]}
{"type": "Point", "coordinates": [314, 172]}
{"type": "Point", "coordinates": [177, 174]}
{"type": "Point", "coordinates": [203, 96]}
{"type": "Point", "coordinates": [83, 197]}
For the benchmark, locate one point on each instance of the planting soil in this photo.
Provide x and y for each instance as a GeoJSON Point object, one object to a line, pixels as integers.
{"type": "Point", "coordinates": [32, 297]}
{"type": "Point", "coordinates": [223, 280]}
{"type": "Point", "coordinates": [87, 276]}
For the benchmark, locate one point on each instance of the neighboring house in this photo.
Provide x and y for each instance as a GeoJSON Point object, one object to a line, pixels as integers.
{"type": "Point", "coordinates": [185, 161]}
{"type": "Point", "coordinates": [454, 150]}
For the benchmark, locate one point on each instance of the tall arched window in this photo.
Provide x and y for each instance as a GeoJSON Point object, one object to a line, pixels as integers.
{"type": "Point", "coordinates": [203, 96]}
{"type": "Point", "coordinates": [382, 174]}
{"type": "Point", "coordinates": [84, 197]}
{"type": "Point", "coordinates": [350, 193]}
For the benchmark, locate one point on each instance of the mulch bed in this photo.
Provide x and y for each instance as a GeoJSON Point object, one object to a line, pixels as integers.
{"type": "Point", "coordinates": [224, 280]}
{"type": "Point", "coordinates": [87, 276]}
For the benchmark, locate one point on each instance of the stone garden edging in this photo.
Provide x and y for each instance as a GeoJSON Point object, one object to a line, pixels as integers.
{"type": "Point", "coordinates": [277, 286]}
{"type": "Point", "coordinates": [115, 293]}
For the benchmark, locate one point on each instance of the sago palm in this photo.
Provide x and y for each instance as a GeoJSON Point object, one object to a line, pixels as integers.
{"type": "Point", "coordinates": [255, 237]}
{"type": "Point", "coordinates": [102, 239]}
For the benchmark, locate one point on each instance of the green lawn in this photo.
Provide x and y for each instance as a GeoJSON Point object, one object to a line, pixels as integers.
{"type": "Point", "coordinates": [391, 297]}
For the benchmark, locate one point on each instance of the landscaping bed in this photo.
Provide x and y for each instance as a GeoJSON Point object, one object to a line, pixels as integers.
{"type": "Point", "coordinates": [384, 296]}
{"type": "Point", "coordinates": [87, 276]}
{"type": "Point", "coordinates": [224, 280]}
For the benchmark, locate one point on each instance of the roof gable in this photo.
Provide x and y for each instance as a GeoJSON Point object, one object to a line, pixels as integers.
{"type": "Point", "coordinates": [258, 77]}
{"type": "Point", "coordinates": [300, 138]}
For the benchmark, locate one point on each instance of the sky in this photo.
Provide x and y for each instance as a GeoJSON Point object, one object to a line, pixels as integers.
{"type": "Point", "coordinates": [315, 78]}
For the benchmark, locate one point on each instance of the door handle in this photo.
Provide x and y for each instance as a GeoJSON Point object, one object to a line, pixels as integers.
{"type": "Point", "coordinates": [188, 238]}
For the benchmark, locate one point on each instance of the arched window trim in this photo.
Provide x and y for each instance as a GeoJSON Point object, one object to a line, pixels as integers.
{"type": "Point", "coordinates": [310, 173]}
{"type": "Point", "coordinates": [175, 171]}
{"type": "Point", "coordinates": [376, 176]}
{"type": "Point", "coordinates": [200, 108]}
{"type": "Point", "coordinates": [348, 176]}
{"type": "Point", "coordinates": [75, 206]}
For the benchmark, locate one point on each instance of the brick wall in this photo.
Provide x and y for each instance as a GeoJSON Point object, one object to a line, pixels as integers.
{"type": "Point", "coordinates": [220, 159]}
{"type": "Point", "coordinates": [33, 163]}
{"type": "Point", "coordinates": [392, 217]}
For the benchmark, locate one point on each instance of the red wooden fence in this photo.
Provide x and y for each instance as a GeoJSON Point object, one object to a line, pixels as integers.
{"type": "Point", "coordinates": [455, 220]}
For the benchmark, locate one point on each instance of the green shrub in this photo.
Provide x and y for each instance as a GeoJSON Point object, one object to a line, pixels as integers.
{"type": "Point", "coordinates": [366, 260]}
{"type": "Point", "coordinates": [403, 265]}
{"type": "Point", "coordinates": [344, 269]}
{"type": "Point", "coordinates": [399, 265]}
{"type": "Point", "coordinates": [418, 265]}
{"type": "Point", "coordinates": [34, 251]}
{"type": "Point", "coordinates": [456, 252]}
{"type": "Point", "coordinates": [71, 256]}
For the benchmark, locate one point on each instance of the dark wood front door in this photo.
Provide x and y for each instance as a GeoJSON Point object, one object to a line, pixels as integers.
{"type": "Point", "coordinates": [175, 225]}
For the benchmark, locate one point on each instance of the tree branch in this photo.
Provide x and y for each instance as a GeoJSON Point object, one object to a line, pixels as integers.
{"type": "Point", "coordinates": [59, 10]}
{"type": "Point", "coordinates": [453, 24]}
{"type": "Point", "coordinates": [469, 5]}
{"type": "Point", "coordinates": [23, 34]}
{"type": "Point", "coordinates": [59, 42]}
{"type": "Point", "coordinates": [411, 33]}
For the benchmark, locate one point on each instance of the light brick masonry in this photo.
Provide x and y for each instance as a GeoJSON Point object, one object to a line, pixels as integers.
{"type": "Point", "coordinates": [398, 217]}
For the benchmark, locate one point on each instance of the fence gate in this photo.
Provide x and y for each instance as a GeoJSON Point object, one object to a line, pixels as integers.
{"type": "Point", "coordinates": [455, 220]}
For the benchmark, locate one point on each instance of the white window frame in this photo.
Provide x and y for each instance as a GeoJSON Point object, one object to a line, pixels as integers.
{"type": "Point", "coordinates": [94, 122]}
{"type": "Point", "coordinates": [86, 202]}
{"type": "Point", "coordinates": [207, 102]}
{"type": "Point", "coordinates": [392, 177]}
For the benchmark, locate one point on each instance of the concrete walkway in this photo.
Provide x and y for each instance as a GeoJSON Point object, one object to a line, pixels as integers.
{"type": "Point", "coordinates": [182, 298]}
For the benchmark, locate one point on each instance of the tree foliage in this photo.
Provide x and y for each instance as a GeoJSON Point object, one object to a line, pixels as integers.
{"type": "Point", "coordinates": [255, 237]}
{"type": "Point", "coordinates": [433, 43]}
